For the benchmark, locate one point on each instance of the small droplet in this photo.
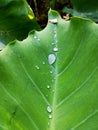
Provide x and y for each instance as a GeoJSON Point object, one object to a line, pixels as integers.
{"type": "Point", "coordinates": [43, 62]}
{"type": "Point", "coordinates": [50, 116]}
{"type": "Point", "coordinates": [51, 58]}
{"type": "Point", "coordinates": [52, 80]}
{"type": "Point", "coordinates": [56, 40]}
{"type": "Point", "coordinates": [48, 86]}
{"type": "Point", "coordinates": [55, 49]}
{"type": "Point", "coordinates": [37, 67]}
{"type": "Point", "coordinates": [46, 95]}
{"type": "Point", "coordinates": [53, 20]}
{"type": "Point", "coordinates": [51, 72]}
{"type": "Point", "coordinates": [55, 35]}
{"type": "Point", "coordinates": [49, 109]}
{"type": "Point", "coordinates": [35, 37]}
{"type": "Point", "coordinates": [38, 39]}
{"type": "Point", "coordinates": [52, 43]}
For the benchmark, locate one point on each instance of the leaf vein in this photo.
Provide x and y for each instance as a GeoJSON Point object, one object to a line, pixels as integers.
{"type": "Point", "coordinates": [70, 63]}
{"type": "Point", "coordinates": [1, 126]}
{"type": "Point", "coordinates": [15, 100]}
{"type": "Point", "coordinates": [43, 96]}
{"type": "Point", "coordinates": [84, 120]}
{"type": "Point", "coordinates": [77, 89]}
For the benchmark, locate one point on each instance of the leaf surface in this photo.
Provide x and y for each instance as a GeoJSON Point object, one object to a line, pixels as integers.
{"type": "Point", "coordinates": [84, 8]}
{"type": "Point", "coordinates": [49, 81]}
{"type": "Point", "coordinates": [16, 20]}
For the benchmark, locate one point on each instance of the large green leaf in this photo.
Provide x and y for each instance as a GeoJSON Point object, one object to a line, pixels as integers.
{"type": "Point", "coordinates": [84, 8]}
{"type": "Point", "coordinates": [49, 81]}
{"type": "Point", "coordinates": [16, 20]}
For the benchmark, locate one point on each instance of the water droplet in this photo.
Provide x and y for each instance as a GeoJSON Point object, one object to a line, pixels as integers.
{"type": "Point", "coordinates": [49, 109]}
{"type": "Point", "coordinates": [55, 49]}
{"type": "Point", "coordinates": [43, 62]}
{"type": "Point", "coordinates": [35, 37]}
{"type": "Point", "coordinates": [50, 116]}
{"type": "Point", "coordinates": [51, 72]}
{"type": "Point", "coordinates": [56, 40]}
{"type": "Point", "coordinates": [37, 67]}
{"type": "Point", "coordinates": [52, 43]}
{"type": "Point", "coordinates": [38, 39]}
{"type": "Point", "coordinates": [48, 86]}
{"type": "Point", "coordinates": [55, 35]}
{"type": "Point", "coordinates": [46, 95]}
{"type": "Point", "coordinates": [53, 20]}
{"type": "Point", "coordinates": [52, 80]}
{"type": "Point", "coordinates": [51, 58]}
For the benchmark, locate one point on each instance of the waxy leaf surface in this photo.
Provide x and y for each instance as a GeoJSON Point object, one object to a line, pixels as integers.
{"type": "Point", "coordinates": [16, 20]}
{"type": "Point", "coordinates": [84, 8]}
{"type": "Point", "coordinates": [49, 81]}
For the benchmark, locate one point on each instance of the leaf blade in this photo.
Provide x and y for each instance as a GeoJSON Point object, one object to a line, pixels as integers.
{"type": "Point", "coordinates": [72, 78]}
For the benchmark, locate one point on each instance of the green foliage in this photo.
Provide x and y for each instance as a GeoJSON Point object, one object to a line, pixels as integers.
{"type": "Point", "coordinates": [49, 81]}
{"type": "Point", "coordinates": [16, 20]}
{"type": "Point", "coordinates": [84, 8]}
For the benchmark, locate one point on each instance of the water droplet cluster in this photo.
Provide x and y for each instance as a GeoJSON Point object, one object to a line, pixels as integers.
{"type": "Point", "coordinates": [51, 60]}
{"type": "Point", "coordinates": [49, 109]}
{"type": "Point", "coordinates": [37, 67]}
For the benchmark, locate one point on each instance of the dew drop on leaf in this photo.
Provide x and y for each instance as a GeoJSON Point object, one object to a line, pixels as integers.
{"type": "Point", "coordinates": [55, 49]}
{"type": "Point", "coordinates": [55, 35]}
{"type": "Point", "coordinates": [49, 109]}
{"type": "Point", "coordinates": [35, 37]}
{"type": "Point", "coordinates": [53, 20]}
{"type": "Point", "coordinates": [51, 58]}
{"type": "Point", "coordinates": [52, 43]}
{"type": "Point", "coordinates": [50, 116]}
{"type": "Point", "coordinates": [52, 80]}
{"type": "Point", "coordinates": [38, 39]}
{"type": "Point", "coordinates": [48, 86]}
{"type": "Point", "coordinates": [43, 62]}
{"type": "Point", "coordinates": [56, 40]}
{"type": "Point", "coordinates": [37, 67]}
{"type": "Point", "coordinates": [46, 95]}
{"type": "Point", "coordinates": [51, 72]}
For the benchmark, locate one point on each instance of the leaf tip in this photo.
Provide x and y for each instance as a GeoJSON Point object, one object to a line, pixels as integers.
{"type": "Point", "coordinates": [53, 16]}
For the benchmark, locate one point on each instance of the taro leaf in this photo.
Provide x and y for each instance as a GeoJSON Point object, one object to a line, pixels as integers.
{"type": "Point", "coordinates": [49, 81]}
{"type": "Point", "coordinates": [16, 20]}
{"type": "Point", "coordinates": [84, 8]}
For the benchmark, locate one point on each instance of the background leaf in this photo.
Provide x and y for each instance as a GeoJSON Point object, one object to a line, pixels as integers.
{"type": "Point", "coordinates": [16, 20]}
{"type": "Point", "coordinates": [49, 81]}
{"type": "Point", "coordinates": [84, 8]}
